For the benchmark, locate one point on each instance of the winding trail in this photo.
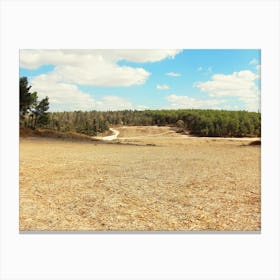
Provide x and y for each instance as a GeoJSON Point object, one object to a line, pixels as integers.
{"type": "Point", "coordinates": [115, 134]}
{"type": "Point", "coordinates": [110, 137]}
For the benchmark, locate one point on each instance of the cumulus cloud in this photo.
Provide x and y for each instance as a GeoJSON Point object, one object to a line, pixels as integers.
{"type": "Point", "coordinates": [173, 74]}
{"type": "Point", "coordinates": [88, 67]}
{"type": "Point", "coordinates": [85, 68]}
{"type": "Point", "coordinates": [114, 103]}
{"type": "Point", "coordinates": [68, 97]}
{"type": "Point", "coordinates": [238, 84]}
{"type": "Point", "coordinates": [186, 102]}
{"type": "Point", "coordinates": [95, 67]}
{"type": "Point", "coordinates": [146, 55]}
{"type": "Point", "coordinates": [61, 93]}
{"type": "Point", "coordinates": [32, 59]}
{"type": "Point", "coordinates": [162, 87]}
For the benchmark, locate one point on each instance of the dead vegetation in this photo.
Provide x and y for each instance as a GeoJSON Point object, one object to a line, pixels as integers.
{"type": "Point", "coordinates": [254, 143]}
{"type": "Point", "coordinates": [162, 181]}
{"type": "Point", "coordinates": [42, 132]}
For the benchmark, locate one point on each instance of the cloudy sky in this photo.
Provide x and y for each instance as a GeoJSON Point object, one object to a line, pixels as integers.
{"type": "Point", "coordinates": [144, 79]}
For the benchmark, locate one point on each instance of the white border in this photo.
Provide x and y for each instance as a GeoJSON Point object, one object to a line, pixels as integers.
{"type": "Point", "coordinates": [140, 24]}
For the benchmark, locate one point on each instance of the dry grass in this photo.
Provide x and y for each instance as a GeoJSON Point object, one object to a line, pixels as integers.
{"type": "Point", "coordinates": [181, 183]}
{"type": "Point", "coordinates": [42, 132]}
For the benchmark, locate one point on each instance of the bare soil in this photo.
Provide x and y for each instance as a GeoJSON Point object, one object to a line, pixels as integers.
{"type": "Point", "coordinates": [150, 178]}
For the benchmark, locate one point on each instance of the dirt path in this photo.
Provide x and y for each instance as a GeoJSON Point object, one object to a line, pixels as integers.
{"type": "Point", "coordinates": [110, 137]}
{"type": "Point", "coordinates": [226, 138]}
{"type": "Point", "coordinates": [169, 133]}
{"type": "Point", "coordinates": [137, 132]}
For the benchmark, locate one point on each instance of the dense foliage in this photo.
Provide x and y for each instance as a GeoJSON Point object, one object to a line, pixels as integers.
{"type": "Point", "coordinates": [218, 123]}
{"type": "Point", "coordinates": [198, 122]}
{"type": "Point", "coordinates": [89, 123]}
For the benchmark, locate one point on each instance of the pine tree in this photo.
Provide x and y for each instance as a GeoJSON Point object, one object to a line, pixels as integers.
{"type": "Point", "coordinates": [26, 99]}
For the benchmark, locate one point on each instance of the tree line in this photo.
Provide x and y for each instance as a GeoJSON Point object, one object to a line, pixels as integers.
{"type": "Point", "coordinates": [210, 123]}
{"type": "Point", "coordinates": [198, 122]}
{"type": "Point", "coordinates": [218, 123]}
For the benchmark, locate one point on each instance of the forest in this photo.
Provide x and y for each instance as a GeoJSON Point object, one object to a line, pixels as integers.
{"type": "Point", "coordinates": [211, 123]}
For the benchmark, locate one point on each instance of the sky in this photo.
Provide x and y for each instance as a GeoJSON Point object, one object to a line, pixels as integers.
{"type": "Point", "coordinates": [144, 79]}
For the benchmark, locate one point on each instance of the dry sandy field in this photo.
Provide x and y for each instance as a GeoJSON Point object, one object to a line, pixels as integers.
{"type": "Point", "coordinates": [148, 179]}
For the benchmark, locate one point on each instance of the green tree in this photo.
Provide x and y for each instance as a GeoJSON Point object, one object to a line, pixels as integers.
{"type": "Point", "coordinates": [181, 125]}
{"type": "Point", "coordinates": [31, 112]}
{"type": "Point", "coordinates": [39, 112]}
{"type": "Point", "coordinates": [26, 98]}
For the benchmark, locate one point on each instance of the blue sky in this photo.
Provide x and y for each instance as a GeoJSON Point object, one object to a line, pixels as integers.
{"type": "Point", "coordinates": [144, 79]}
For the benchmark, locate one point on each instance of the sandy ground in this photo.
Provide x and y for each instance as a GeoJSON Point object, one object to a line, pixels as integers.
{"type": "Point", "coordinates": [149, 178]}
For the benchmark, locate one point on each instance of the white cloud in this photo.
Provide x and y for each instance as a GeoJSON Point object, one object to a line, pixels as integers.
{"type": "Point", "coordinates": [60, 93]}
{"type": "Point", "coordinates": [114, 103]}
{"type": "Point", "coordinates": [231, 107]}
{"type": "Point", "coordinates": [32, 59]}
{"type": "Point", "coordinates": [146, 55]}
{"type": "Point", "coordinates": [68, 97]}
{"type": "Point", "coordinates": [162, 87]}
{"type": "Point", "coordinates": [88, 67]}
{"type": "Point", "coordinates": [141, 107]}
{"type": "Point", "coordinates": [238, 84]}
{"type": "Point", "coordinates": [95, 67]}
{"type": "Point", "coordinates": [173, 74]}
{"type": "Point", "coordinates": [199, 68]}
{"type": "Point", "coordinates": [253, 61]}
{"type": "Point", "coordinates": [186, 102]}
{"type": "Point", "coordinates": [258, 67]}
